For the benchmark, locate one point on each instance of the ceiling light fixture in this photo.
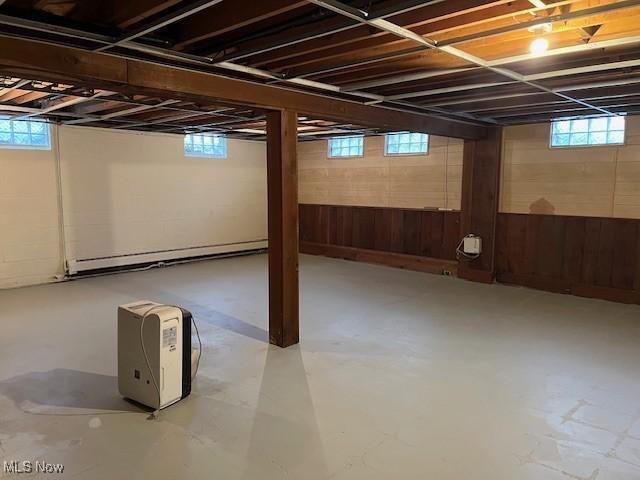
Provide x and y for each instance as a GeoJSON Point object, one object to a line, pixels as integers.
{"type": "Point", "coordinates": [539, 46]}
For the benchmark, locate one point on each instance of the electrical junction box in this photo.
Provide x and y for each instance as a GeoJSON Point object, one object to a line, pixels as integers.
{"type": "Point", "coordinates": [166, 335]}
{"type": "Point", "coordinates": [472, 245]}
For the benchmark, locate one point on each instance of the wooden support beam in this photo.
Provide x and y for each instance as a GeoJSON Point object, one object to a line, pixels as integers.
{"type": "Point", "coordinates": [480, 191]}
{"type": "Point", "coordinates": [282, 182]}
{"type": "Point", "coordinates": [30, 59]}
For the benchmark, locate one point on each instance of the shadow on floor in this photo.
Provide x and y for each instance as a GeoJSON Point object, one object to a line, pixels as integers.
{"type": "Point", "coordinates": [65, 388]}
{"type": "Point", "coordinates": [201, 313]}
{"type": "Point", "coordinates": [285, 432]}
{"type": "Point", "coordinates": [227, 322]}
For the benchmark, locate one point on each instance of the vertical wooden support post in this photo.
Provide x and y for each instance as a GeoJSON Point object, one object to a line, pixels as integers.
{"type": "Point", "coordinates": [282, 184]}
{"type": "Point", "coordinates": [480, 192]}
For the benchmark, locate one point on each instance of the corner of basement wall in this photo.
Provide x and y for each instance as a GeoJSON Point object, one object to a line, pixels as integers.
{"type": "Point", "coordinates": [30, 244]}
{"type": "Point", "coordinates": [93, 189]}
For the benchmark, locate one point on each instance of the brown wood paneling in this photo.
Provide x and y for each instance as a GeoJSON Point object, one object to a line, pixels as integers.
{"type": "Point", "coordinates": [411, 222]}
{"type": "Point", "coordinates": [480, 188]}
{"type": "Point", "coordinates": [532, 244]}
{"type": "Point", "coordinates": [363, 227]}
{"type": "Point", "coordinates": [409, 232]}
{"type": "Point", "coordinates": [305, 212]}
{"type": "Point", "coordinates": [574, 248]}
{"type": "Point", "coordinates": [592, 257]}
{"type": "Point", "coordinates": [590, 249]}
{"type": "Point", "coordinates": [604, 262]}
{"type": "Point", "coordinates": [345, 226]}
{"type": "Point", "coordinates": [431, 234]}
{"type": "Point", "coordinates": [333, 225]}
{"type": "Point", "coordinates": [515, 252]}
{"type": "Point", "coordinates": [502, 259]}
{"type": "Point", "coordinates": [397, 260]}
{"type": "Point", "coordinates": [382, 232]}
{"type": "Point", "coordinates": [323, 223]}
{"type": "Point", "coordinates": [625, 254]}
{"type": "Point", "coordinates": [397, 230]}
{"type": "Point", "coordinates": [550, 258]}
{"type": "Point", "coordinates": [451, 234]}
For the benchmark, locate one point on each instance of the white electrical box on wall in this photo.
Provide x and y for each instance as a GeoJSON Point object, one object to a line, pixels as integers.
{"type": "Point", "coordinates": [472, 245]}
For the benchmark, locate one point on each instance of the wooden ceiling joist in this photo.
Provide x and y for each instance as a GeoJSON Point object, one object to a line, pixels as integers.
{"type": "Point", "coordinates": [219, 22]}
{"type": "Point", "coordinates": [62, 64]}
{"type": "Point", "coordinates": [128, 13]}
{"type": "Point", "coordinates": [395, 64]}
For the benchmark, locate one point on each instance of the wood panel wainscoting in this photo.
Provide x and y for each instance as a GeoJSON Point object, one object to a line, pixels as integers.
{"type": "Point", "coordinates": [585, 256]}
{"type": "Point", "coordinates": [422, 240]}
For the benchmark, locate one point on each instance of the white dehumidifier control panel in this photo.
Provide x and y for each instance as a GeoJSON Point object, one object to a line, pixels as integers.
{"type": "Point", "coordinates": [163, 338]}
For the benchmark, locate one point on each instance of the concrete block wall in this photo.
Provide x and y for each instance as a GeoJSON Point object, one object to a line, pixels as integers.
{"type": "Point", "coordinates": [599, 181]}
{"type": "Point", "coordinates": [405, 181]}
{"type": "Point", "coordinates": [127, 193]}
{"type": "Point", "coordinates": [30, 246]}
{"type": "Point", "coordinates": [124, 193]}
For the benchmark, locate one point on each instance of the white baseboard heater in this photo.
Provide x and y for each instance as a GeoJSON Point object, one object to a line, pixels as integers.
{"type": "Point", "coordinates": [74, 266]}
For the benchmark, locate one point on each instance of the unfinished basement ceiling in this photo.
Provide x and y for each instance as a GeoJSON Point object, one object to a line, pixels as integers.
{"type": "Point", "coordinates": [466, 60]}
{"type": "Point", "coordinates": [70, 105]}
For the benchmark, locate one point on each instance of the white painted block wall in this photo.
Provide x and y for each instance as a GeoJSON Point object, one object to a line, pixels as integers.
{"type": "Point", "coordinates": [124, 194]}
{"type": "Point", "coordinates": [137, 194]}
{"type": "Point", "coordinates": [30, 247]}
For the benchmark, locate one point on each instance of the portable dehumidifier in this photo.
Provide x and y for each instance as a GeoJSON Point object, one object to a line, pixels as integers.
{"type": "Point", "coordinates": [154, 353]}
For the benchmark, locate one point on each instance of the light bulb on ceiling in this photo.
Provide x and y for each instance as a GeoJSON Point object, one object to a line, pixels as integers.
{"type": "Point", "coordinates": [539, 46]}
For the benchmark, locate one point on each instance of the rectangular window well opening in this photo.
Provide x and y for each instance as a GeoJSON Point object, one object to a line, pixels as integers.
{"type": "Point", "coordinates": [205, 145]}
{"type": "Point", "coordinates": [581, 132]}
{"type": "Point", "coordinates": [29, 134]}
{"type": "Point", "coordinates": [352, 146]}
{"type": "Point", "coordinates": [406, 143]}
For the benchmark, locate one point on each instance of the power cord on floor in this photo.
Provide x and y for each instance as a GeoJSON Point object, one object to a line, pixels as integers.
{"type": "Point", "coordinates": [193, 374]}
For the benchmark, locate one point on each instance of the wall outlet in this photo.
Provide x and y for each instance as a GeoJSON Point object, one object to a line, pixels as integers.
{"type": "Point", "coordinates": [472, 245]}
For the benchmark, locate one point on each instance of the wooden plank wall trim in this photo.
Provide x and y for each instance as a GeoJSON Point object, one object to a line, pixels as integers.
{"type": "Point", "coordinates": [397, 260]}
{"type": "Point", "coordinates": [480, 195]}
{"type": "Point", "coordinates": [421, 233]}
{"type": "Point", "coordinates": [586, 256]}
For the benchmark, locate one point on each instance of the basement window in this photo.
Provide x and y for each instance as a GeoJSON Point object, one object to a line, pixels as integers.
{"type": "Point", "coordinates": [205, 145]}
{"type": "Point", "coordinates": [406, 143]}
{"type": "Point", "coordinates": [582, 132]}
{"type": "Point", "coordinates": [30, 134]}
{"type": "Point", "coordinates": [346, 146]}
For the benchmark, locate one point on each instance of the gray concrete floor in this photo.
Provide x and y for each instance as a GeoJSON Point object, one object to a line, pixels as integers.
{"type": "Point", "coordinates": [399, 375]}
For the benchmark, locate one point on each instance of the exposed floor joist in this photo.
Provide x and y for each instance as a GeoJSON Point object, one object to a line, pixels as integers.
{"type": "Point", "coordinates": [426, 57]}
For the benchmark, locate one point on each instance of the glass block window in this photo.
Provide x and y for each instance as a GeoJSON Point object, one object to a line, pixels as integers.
{"type": "Point", "coordinates": [588, 131]}
{"type": "Point", "coordinates": [24, 133]}
{"type": "Point", "coordinates": [406, 143]}
{"type": "Point", "coordinates": [205, 145]}
{"type": "Point", "coordinates": [346, 146]}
